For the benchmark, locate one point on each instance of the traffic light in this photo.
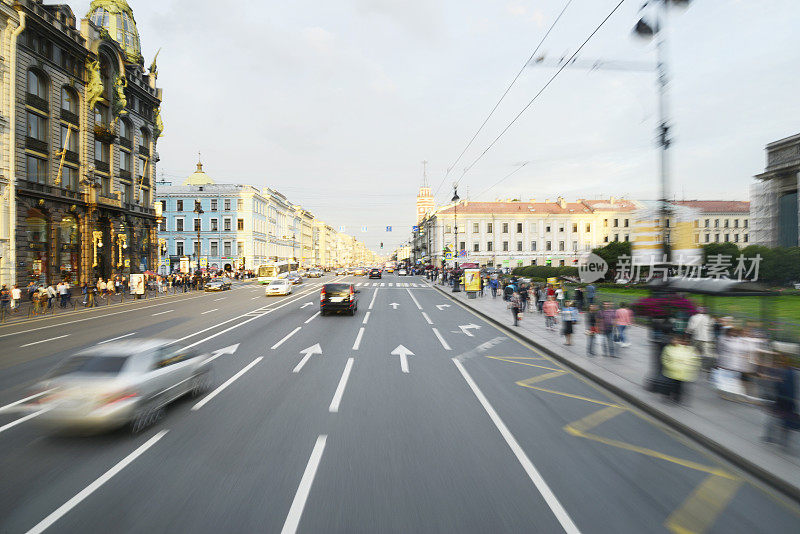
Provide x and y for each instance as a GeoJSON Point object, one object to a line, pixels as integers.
{"type": "Point", "coordinates": [381, 244]}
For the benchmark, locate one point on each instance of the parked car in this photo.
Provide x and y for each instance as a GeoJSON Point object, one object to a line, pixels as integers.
{"type": "Point", "coordinates": [115, 384]}
{"type": "Point", "coordinates": [281, 286]}
{"type": "Point", "coordinates": [338, 297]}
{"type": "Point", "coordinates": [218, 284]}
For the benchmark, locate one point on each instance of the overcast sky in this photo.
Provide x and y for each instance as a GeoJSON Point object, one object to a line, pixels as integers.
{"type": "Point", "coordinates": [336, 103]}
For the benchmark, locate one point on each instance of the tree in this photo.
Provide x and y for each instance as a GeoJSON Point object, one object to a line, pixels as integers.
{"type": "Point", "coordinates": [611, 253]}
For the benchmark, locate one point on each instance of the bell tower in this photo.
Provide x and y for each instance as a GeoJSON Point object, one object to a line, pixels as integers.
{"type": "Point", "coordinates": [425, 201]}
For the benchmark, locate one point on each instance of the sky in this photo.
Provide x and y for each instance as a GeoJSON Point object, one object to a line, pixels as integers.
{"type": "Point", "coordinates": [337, 103]}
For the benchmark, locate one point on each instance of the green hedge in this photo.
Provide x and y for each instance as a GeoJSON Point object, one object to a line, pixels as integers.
{"type": "Point", "coordinates": [543, 271]}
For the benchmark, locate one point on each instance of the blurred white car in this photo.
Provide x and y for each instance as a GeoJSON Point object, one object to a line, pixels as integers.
{"type": "Point", "coordinates": [281, 286]}
{"type": "Point", "coordinates": [402, 272]}
{"type": "Point", "coordinates": [114, 384]}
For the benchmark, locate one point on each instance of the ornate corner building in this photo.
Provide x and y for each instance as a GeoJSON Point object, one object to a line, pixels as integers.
{"type": "Point", "coordinates": [79, 123]}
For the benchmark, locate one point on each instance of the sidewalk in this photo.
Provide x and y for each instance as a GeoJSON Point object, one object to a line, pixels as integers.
{"type": "Point", "coordinates": [731, 429]}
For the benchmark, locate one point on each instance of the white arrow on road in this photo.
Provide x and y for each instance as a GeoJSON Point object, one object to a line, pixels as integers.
{"type": "Point", "coordinates": [227, 350]}
{"type": "Point", "coordinates": [306, 304]}
{"type": "Point", "coordinates": [466, 328]}
{"type": "Point", "coordinates": [404, 353]}
{"type": "Point", "coordinates": [442, 306]}
{"type": "Point", "coordinates": [394, 305]}
{"type": "Point", "coordinates": [315, 349]}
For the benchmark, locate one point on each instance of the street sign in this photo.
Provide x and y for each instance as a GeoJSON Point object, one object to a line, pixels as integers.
{"type": "Point", "coordinates": [448, 255]}
{"type": "Point", "coordinates": [388, 228]}
{"type": "Point", "coordinates": [462, 254]}
{"type": "Point", "coordinates": [415, 228]}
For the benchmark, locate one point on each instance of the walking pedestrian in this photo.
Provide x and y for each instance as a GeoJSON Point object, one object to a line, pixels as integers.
{"type": "Point", "coordinates": [541, 297]}
{"type": "Point", "coordinates": [5, 299]}
{"type": "Point", "coordinates": [701, 328]}
{"type": "Point", "coordinates": [515, 304]}
{"type": "Point", "coordinates": [493, 286]}
{"type": "Point", "coordinates": [569, 316]}
{"type": "Point", "coordinates": [579, 298]}
{"type": "Point", "coordinates": [783, 406]}
{"type": "Point", "coordinates": [623, 319]}
{"type": "Point", "coordinates": [550, 308]}
{"type": "Point", "coordinates": [607, 319]}
{"type": "Point", "coordinates": [680, 364]}
{"type": "Point", "coordinates": [523, 297]}
{"type": "Point", "coordinates": [16, 296]}
{"type": "Point", "coordinates": [590, 291]}
{"type": "Point", "coordinates": [63, 292]}
{"type": "Point", "coordinates": [591, 329]}
{"type": "Point", "coordinates": [51, 296]}
{"type": "Point", "coordinates": [560, 296]}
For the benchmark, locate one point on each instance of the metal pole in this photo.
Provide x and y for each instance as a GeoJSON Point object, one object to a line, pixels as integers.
{"type": "Point", "coordinates": [664, 140]}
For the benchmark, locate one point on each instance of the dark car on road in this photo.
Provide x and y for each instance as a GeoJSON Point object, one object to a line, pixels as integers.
{"type": "Point", "coordinates": [375, 273]}
{"type": "Point", "coordinates": [218, 284]}
{"type": "Point", "coordinates": [338, 298]}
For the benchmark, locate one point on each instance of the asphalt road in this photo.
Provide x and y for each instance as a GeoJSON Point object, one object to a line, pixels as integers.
{"type": "Point", "coordinates": [463, 429]}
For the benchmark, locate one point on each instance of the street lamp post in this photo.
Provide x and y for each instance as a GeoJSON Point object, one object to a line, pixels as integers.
{"type": "Point", "coordinates": [198, 209]}
{"type": "Point", "coordinates": [455, 200]}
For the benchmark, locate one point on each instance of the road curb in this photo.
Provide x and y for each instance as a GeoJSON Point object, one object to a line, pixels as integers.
{"type": "Point", "coordinates": [730, 455]}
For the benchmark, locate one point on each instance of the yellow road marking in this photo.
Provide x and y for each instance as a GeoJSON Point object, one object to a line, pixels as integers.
{"type": "Point", "coordinates": [700, 510]}
{"type": "Point", "coordinates": [570, 395]}
{"type": "Point", "coordinates": [528, 364]}
{"type": "Point", "coordinates": [595, 419]}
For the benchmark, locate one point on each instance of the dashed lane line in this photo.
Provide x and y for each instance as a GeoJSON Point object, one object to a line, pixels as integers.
{"type": "Point", "coordinates": [225, 384]}
{"type": "Point", "coordinates": [290, 334]}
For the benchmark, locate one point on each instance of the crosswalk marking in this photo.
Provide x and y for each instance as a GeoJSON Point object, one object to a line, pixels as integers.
{"type": "Point", "coordinates": [391, 284]}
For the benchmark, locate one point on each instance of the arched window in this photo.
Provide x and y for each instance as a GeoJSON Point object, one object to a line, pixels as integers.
{"type": "Point", "coordinates": [37, 84]}
{"type": "Point", "coordinates": [125, 129]}
{"type": "Point", "coordinates": [107, 75]}
{"type": "Point", "coordinates": [69, 100]}
{"type": "Point", "coordinates": [101, 17]}
{"type": "Point", "coordinates": [36, 255]}
{"type": "Point", "coordinates": [126, 32]}
{"type": "Point", "coordinates": [144, 141]}
{"type": "Point", "coordinates": [69, 249]}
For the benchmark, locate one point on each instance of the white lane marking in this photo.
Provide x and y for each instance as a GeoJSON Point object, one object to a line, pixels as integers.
{"type": "Point", "coordinates": [299, 502]}
{"type": "Point", "coordinates": [375, 284]}
{"type": "Point", "coordinates": [225, 384]}
{"type": "Point", "coordinates": [391, 284]}
{"type": "Point", "coordinates": [366, 318]}
{"type": "Point", "coordinates": [42, 341]}
{"type": "Point", "coordinates": [358, 338]}
{"type": "Point", "coordinates": [441, 339]}
{"type": "Point", "coordinates": [310, 351]}
{"type": "Point", "coordinates": [290, 334]}
{"type": "Point", "coordinates": [26, 399]}
{"type": "Point", "coordinates": [382, 284]}
{"type": "Point", "coordinates": [209, 311]}
{"type": "Point", "coordinates": [358, 284]}
{"type": "Point", "coordinates": [337, 397]}
{"type": "Point", "coordinates": [410, 294]}
{"type": "Point", "coordinates": [413, 285]}
{"type": "Point", "coordinates": [116, 338]}
{"type": "Point", "coordinates": [162, 313]}
{"type": "Point", "coordinates": [311, 318]}
{"type": "Point", "coordinates": [372, 302]}
{"type": "Point", "coordinates": [62, 510]}
{"type": "Point", "coordinates": [549, 497]}
{"type": "Point", "coordinates": [221, 298]}
{"type": "Point", "coordinates": [230, 349]}
{"type": "Point", "coordinates": [425, 315]}
{"type": "Point", "coordinates": [254, 298]}
{"type": "Point", "coordinates": [16, 422]}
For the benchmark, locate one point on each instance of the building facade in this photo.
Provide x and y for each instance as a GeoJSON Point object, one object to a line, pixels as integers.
{"type": "Point", "coordinates": [80, 138]}
{"type": "Point", "coordinates": [774, 199]}
{"type": "Point", "coordinates": [516, 233]}
{"type": "Point", "coordinates": [227, 232]}
{"type": "Point", "coordinates": [720, 221]}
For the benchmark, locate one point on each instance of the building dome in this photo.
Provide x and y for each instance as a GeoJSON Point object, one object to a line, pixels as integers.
{"type": "Point", "coordinates": [116, 17]}
{"type": "Point", "coordinates": [198, 177]}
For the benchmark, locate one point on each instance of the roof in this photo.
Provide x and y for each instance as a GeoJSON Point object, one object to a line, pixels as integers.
{"type": "Point", "coordinates": [198, 177]}
{"type": "Point", "coordinates": [716, 206]}
{"type": "Point", "coordinates": [550, 208]}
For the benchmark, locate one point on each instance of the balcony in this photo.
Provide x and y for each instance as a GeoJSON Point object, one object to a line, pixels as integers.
{"type": "Point", "coordinates": [50, 190]}
{"type": "Point", "coordinates": [124, 142]}
{"type": "Point", "coordinates": [109, 200]}
{"type": "Point", "coordinates": [103, 132]}
{"type": "Point", "coordinates": [35, 144]}
{"type": "Point", "coordinates": [37, 102]}
{"type": "Point", "coordinates": [70, 117]}
{"type": "Point", "coordinates": [101, 166]}
{"type": "Point", "coordinates": [125, 175]}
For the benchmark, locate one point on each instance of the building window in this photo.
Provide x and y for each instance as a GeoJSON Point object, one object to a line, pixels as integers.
{"type": "Point", "coordinates": [605, 239]}
{"type": "Point", "coordinates": [240, 204]}
{"type": "Point", "coordinates": [605, 223]}
{"type": "Point", "coordinates": [37, 129]}
{"type": "Point", "coordinates": [533, 246]}
{"type": "Point", "coordinates": [505, 228]}
{"type": "Point", "coordinates": [213, 204]}
{"type": "Point", "coordinates": [476, 247]}
{"type": "Point", "coordinates": [214, 225]}
{"type": "Point", "coordinates": [162, 227]}
{"type": "Point", "coordinates": [226, 249]}
{"type": "Point", "coordinates": [447, 229]}
{"type": "Point", "coordinates": [745, 225]}
{"type": "Point", "coordinates": [489, 228]}
{"type": "Point", "coordinates": [716, 223]}
{"type": "Point", "coordinates": [69, 177]}
{"type": "Point", "coordinates": [716, 238]}
{"type": "Point", "coordinates": [125, 132]}
{"type": "Point", "coordinates": [519, 246]}
{"type": "Point", "coordinates": [708, 236]}
{"type": "Point", "coordinates": [627, 238]}
{"type": "Point", "coordinates": [561, 228]}
{"type": "Point", "coordinates": [561, 246]}
{"type": "Point", "coordinates": [668, 222]}
{"type": "Point", "coordinates": [547, 229]}
{"type": "Point", "coordinates": [227, 204]}
{"type": "Point", "coordinates": [475, 228]}
{"type": "Point", "coordinates": [239, 249]}
{"type": "Point", "coordinates": [489, 246]}
{"type": "Point", "coordinates": [179, 248]}
{"type": "Point", "coordinates": [588, 227]}
{"type": "Point", "coordinates": [616, 237]}
{"type": "Point", "coordinates": [197, 225]}
{"type": "Point", "coordinates": [574, 246]}
{"type": "Point", "coordinates": [736, 238]}
{"type": "Point", "coordinates": [707, 223]}
{"type": "Point", "coordinates": [462, 246]}
{"type": "Point", "coordinates": [616, 223]}
{"type": "Point", "coordinates": [37, 170]}
{"type": "Point", "coordinates": [179, 225]}
{"type": "Point", "coordinates": [574, 228]}
{"type": "Point", "coordinates": [179, 206]}
{"type": "Point", "coordinates": [505, 246]}
{"type": "Point", "coordinates": [102, 153]}
{"type": "Point", "coordinates": [226, 224]}
{"type": "Point", "coordinates": [124, 160]}
{"type": "Point", "coordinates": [736, 223]}
{"type": "Point", "coordinates": [37, 85]}
{"type": "Point", "coordinates": [533, 261]}
{"type": "Point", "coordinates": [726, 223]}
{"type": "Point", "coordinates": [548, 245]}
{"type": "Point", "coordinates": [519, 228]}
{"type": "Point", "coordinates": [745, 238]}
{"type": "Point", "coordinates": [240, 224]}
{"type": "Point", "coordinates": [626, 223]}
{"type": "Point", "coordinates": [727, 237]}
{"type": "Point", "coordinates": [214, 249]}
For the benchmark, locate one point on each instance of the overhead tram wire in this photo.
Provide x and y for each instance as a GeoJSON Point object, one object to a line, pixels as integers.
{"type": "Point", "coordinates": [536, 96]}
{"type": "Point", "coordinates": [524, 66]}
{"type": "Point", "coordinates": [504, 178]}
